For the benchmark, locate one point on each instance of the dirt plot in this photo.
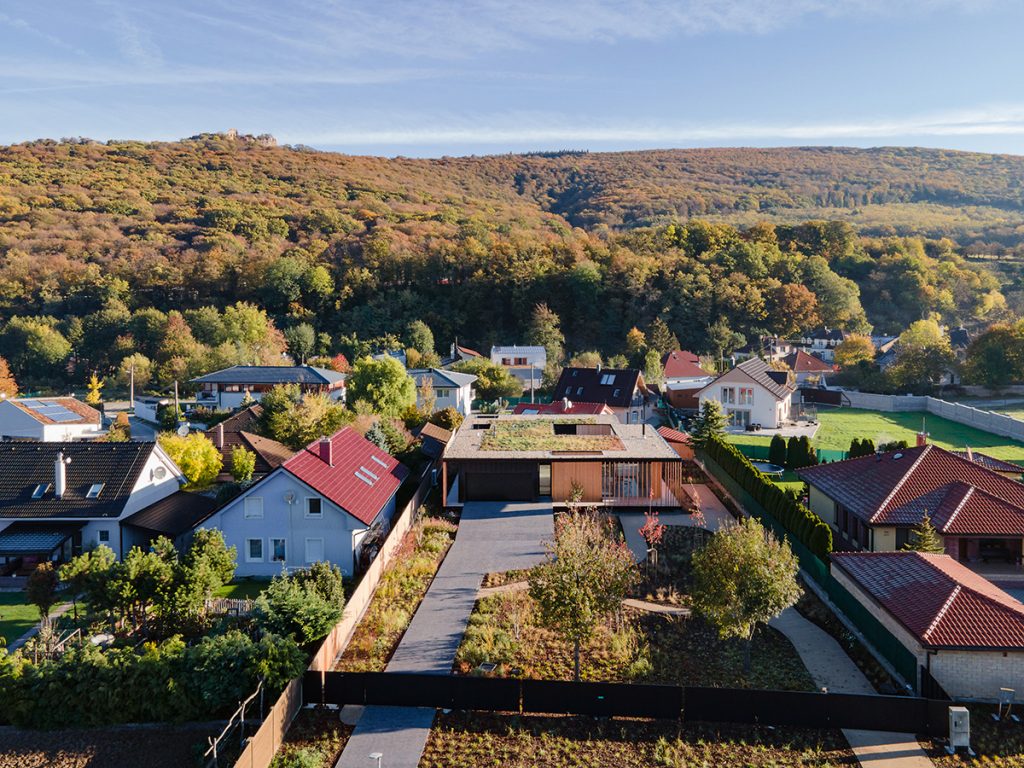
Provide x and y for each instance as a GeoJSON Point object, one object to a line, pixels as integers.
{"type": "Point", "coordinates": [117, 747]}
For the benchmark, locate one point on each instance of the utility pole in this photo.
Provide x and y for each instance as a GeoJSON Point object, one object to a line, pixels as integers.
{"type": "Point", "coordinates": [177, 407]}
{"type": "Point", "coordinates": [531, 383]}
{"type": "Point", "coordinates": [131, 388]}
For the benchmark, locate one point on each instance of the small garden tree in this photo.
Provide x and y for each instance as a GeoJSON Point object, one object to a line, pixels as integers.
{"type": "Point", "coordinates": [709, 424]}
{"type": "Point", "coordinates": [95, 386]}
{"type": "Point", "coordinates": [120, 430]}
{"type": "Point", "coordinates": [653, 530]}
{"type": "Point", "coordinates": [42, 589]}
{"type": "Point", "coordinates": [196, 456]}
{"type": "Point", "coordinates": [744, 577]}
{"type": "Point", "coordinates": [243, 464]}
{"type": "Point", "coordinates": [447, 418]}
{"type": "Point", "coordinates": [305, 604]}
{"type": "Point", "coordinates": [583, 579]}
{"type": "Point", "coordinates": [8, 386]}
{"type": "Point", "coordinates": [925, 538]}
{"type": "Point", "coordinates": [777, 450]}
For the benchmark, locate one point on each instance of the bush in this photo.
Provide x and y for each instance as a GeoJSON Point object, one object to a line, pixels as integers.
{"type": "Point", "coordinates": [305, 604]}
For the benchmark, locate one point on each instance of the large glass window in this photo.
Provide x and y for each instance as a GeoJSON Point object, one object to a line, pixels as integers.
{"type": "Point", "coordinates": [728, 396]}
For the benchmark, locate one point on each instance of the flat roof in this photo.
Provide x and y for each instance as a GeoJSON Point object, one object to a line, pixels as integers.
{"type": "Point", "coordinates": [630, 441]}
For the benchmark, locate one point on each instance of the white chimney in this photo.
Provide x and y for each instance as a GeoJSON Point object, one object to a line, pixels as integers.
{"type": "Point", "coordinates": [220, 435]}
{"type": "Point", "coordinates": [326, 452]}
{"type": "Point", "coordinates": [60, 479]}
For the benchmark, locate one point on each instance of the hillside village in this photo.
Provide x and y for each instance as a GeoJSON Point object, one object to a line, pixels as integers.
{"type": "Point", "coordinates": [407, 513]}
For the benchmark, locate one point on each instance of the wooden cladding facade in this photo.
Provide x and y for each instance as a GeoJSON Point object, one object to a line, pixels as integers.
{"type": "Point", "coordinates": [586, 474]}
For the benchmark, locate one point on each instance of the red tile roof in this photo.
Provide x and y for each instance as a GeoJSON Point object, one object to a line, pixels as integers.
{"type": "Point", "coordinates": [939, 601]}
{"type": "Point", "coordinates": [586, 409]}
{"type": "Point", "coordinates": [961, 496]}
{"type": "Point", "coordinates": [996, 465]}
{"type": "Point", "coordinates": [362, 479]}
{"type": "Point", "coordinates": [674, 435]}
{"type": "Point", "coordinates": [801, 362]}
{"type": "Point", "coordinates": [682, 365]}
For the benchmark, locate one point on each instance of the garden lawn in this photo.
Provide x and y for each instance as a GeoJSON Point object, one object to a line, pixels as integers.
{"type": "Point", "coordinates": [840, 425]}
{"type": "Point", "coordinates": [243, 589]}
{"type": "Point", "coordinates": [17, 615]}
{"type": "Point", "coordinates": [478, 740]}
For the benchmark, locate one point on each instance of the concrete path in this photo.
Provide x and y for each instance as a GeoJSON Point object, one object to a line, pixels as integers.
{"type": "Point", "coordinates": [57, 612]}
{"type": "Point", "coordinates": [493, 536]}
{"type": "Point", "coordinates": [831, 668]}
{"type": "Point", "coordinates": [715, 516]}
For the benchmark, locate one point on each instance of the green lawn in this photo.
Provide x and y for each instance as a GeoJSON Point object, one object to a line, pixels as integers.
{"type": "Point", "coordinates": [17, 615]}
{"type": "Point", "coordinates": [243, 589]}
{"type": "Point", "coordinates": [839, 426]}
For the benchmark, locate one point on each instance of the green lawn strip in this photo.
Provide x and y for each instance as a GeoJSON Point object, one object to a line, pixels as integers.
{"type": "Point", "coordinates": [243, 589]}
{"type": "Point", "coordinates": [17, 615]}
{"type": "Point", "coordinates": [840, 426]}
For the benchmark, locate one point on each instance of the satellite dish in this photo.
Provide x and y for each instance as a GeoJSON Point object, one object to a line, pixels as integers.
{"type": "Point", "coordinates": [289, 497]}
{"type": "Point", "coordinates": [183, 429]}
{"type": "Point", "coordinates": [159, 473]}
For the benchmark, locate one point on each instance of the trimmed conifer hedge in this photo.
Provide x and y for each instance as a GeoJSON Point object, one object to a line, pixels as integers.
{"type": "Point", "coordinates": [800, 522]}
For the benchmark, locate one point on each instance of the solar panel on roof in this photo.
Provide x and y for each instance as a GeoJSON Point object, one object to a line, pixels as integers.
{"type": "Point", "coordinates": [30, 403]}
{"type": "Point", "coordinates": [53, 411]}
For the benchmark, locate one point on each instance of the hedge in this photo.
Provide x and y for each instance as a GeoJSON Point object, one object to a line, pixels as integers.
{"type": "Point", "coordinates": [800, 522]}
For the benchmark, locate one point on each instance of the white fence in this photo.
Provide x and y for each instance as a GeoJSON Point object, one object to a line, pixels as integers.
{"type": "Point", "coordinates": [987, 421]}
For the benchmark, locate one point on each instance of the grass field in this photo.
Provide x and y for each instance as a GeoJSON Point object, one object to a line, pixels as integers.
{"type": "Point", "coordinates": [840, 425]}
{"type": "Point", "coordinates": [243, 589]}
{"type": "Point", "coordinates": [17, 615]}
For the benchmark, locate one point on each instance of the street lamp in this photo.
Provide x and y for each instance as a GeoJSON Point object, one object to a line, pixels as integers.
{"type": "Point", "coordinates": [376, 756]}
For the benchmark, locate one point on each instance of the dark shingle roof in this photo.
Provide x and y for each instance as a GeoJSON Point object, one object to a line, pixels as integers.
{"type": "Point", "coordinates": [174, 514]}
{"type": "Point", "coordinates": [24, 465]}
{"type": "Point", "coordinates": [585, 385]}
{"type": "Point", "coordinates": [239, 429]}
{"type": "Point", "coordinates": [271, 374]}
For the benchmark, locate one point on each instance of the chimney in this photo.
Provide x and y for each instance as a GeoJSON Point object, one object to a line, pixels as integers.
{"type": "Point", "coordinates": [598, 367]}
{"type": "Point", "coordinates": [220, 435]}
{"type": "Point", "coordinates": [566, 404]}
{"type": "Point", "coordinates": [60, 478]}
{"type": "Point", "coordinates": [326, 453]}
{"type": "Point", "coordinates": [922, 436]}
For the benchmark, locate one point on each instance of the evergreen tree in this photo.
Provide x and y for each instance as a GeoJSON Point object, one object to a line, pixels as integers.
{"type": "Point", "coordinates": [709, 424]}
{"type": "Point", "coordinates": [793, 453]}
{"type": "Point", "coordinates": [924, 537]}
{"type": "Point", "coordinates": [777, 450]}
{"type": "Point", "coordinates": [661, 338]}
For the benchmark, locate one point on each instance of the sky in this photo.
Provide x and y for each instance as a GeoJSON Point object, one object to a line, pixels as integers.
{"type": "Point", "coordinates": [442, 77]}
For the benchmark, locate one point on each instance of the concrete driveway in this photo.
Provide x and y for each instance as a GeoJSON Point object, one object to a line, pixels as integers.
{"type": "Point", "coordinates": [493, 536]}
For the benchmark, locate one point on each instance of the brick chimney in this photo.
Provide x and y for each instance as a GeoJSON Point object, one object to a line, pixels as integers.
{"type": "Point", "coordinates": [60, 478]}
{"type": "Point", "coordinates": [326, 451]}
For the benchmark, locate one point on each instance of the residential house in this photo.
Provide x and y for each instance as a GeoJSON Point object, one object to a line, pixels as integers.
{"type": "Point", "coordinates": [457, 354]}
{"type": "Point", "coordinates": [528, 458]}
{"type": "Point", "coordinates": [873, 502]}
{"type": "Point", "coordinates": [563, 407]}
{"type": "Point", "coordinates": [49, 419]}
{"type": "Point", "coordinates": [239, 429]}
{"type": "Point", "coordinates": [230, 388]}
{"type": "Point", "coordinates": [683, 379]}
{"type": "Point", "coordinates": [526, 363]}
{"type": "Point", "coordinates": [319, 505]}
{"type": "Point", "coordinates": [822, 341]}
{"type": "Point", "coordinates": [752, 393]}
{"type": "Point", "coordinates": [808, 370]}
{"type": "Point", "coordinates": [770, 348]}
{"type": "Point", "coordinates": [965, 633]}
{"type": "Point", "coordinates": [60, 498]}
{"type": "Point", "coordinates": [621, 389]}
{"type": "Point", "coordinates": [451, 388]}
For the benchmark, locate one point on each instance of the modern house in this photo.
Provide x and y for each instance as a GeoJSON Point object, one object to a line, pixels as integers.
{"type": "Point", "coordinates": [683, 378]}
{"type": "Point", "coordinates": [808, 370]}
{"type": "Point", "coordinates": [822, 342]}
{"type": "Point", "coordinates": [451, 388]}
{"type": "Point", "coordinates": [528, 458]}
{"type": "Point", "coordinates": [520, 356]}
{"type": "Point", "coordinates": [752, 393]}
{"type": "Point", "coordinates": [621, 389]}
{"type": "Point", "coordinates": [239, 429]}
{"type": "Point", "coordinates": [564, 407]}
{"type": "Point", "coordinates": [49, 419]}
{"type": "Point", "coordinates": [317, 506]}
{"type": "Point", "coordinates": [873, 502]}
{"type": "Point", "coordinates": [966, 634]}
{"type": "Point", "coordinates": [58, 499]}
{"type": "Point", "coordinates": [231, 387]}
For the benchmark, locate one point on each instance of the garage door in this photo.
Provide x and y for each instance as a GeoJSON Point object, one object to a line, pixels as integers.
{"type": "Point", "coordinates": [500, 486]}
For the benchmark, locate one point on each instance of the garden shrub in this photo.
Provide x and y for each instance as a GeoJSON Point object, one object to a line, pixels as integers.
{"type": "Point", "coordinates": [305, 604]}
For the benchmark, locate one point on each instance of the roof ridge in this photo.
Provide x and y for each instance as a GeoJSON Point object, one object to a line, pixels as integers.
{"type": "Point", "coordinates": [945, 607]}
{"type": "Point", "coordinates": [961, 505]}
{"type": "Point", "coordinates": [900, 484]}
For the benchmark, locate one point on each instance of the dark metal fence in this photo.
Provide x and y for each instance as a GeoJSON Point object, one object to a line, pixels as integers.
{"type": "Point", "coordinates": [902, 714]}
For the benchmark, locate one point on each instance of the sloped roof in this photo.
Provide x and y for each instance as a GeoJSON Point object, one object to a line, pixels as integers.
{"type": "Point", "coordinates": [897, 487]}
{"type": "Point", "coordinates": [939, 601]}
{"type": "Point", "coordinates": [959, 338]}
{"type": "Point", "coordinates": [361, 481]}
{"type": "Point", "coordinates": [271, 374]}
{"type": "Point", "coordinates": [25, 465]}
{"type": "Point", "coordinates": [467, 351]}
{"type": "Point", "coordinates": [826, 333]}
{"type": "Point", "coordinates": [996, 465]}
{"type": "Point", "coordinates": [584, 384]}
{"type": "Point", "coordinates": [801, 362]}
{"type": "Point", "coordinates": [559, 406]}
{"type": "Point", "coordinates": [681, 364]}
{"type": "Point", "coordinates": [435, 432]}
{"type": "Point", "coordinates": [57, 410]}
{"type": "Point", "coordinates": [174, 514]}
{"type": "Point", "coordinates": [758, 371]}
{"type": "Point", "coordinates": [674, 435]}
{"type": "Point", "coordinates": [238, 429]}
{"type": "Point", "coordinates": [442, 378]}
{"type": "Point", "coordinates": [519, 349]}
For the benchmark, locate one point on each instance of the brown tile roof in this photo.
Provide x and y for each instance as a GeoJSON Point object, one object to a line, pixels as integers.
{"type": "Point", "coordinates": [174, 514]}
{"type": "Point", "coordinates": [674, 435]}
{"type": "Point", "coordinates": [239, 429]}
{"type": "Point", "coordinates": [939, 601]}
{"type": "Point", "coordinates": [435, 432]}
{"type": "Point", "coordinates": [269, 453]}
{"type": "Point", "coordinates": [898, 487]}
{"type": "Point", "coordinates": [585, 385]}
{"type": "Point", "coordinates": [801, 362]}
{"type": "Point", "coordinates": [681, 364]}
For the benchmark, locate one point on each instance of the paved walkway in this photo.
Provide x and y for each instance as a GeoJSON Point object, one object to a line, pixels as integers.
{"type": "Point", "coordinates": [493, 536]}
{"type": "Point", "coordinates": [831, 668]}
{"type": "Point", "coordinates": [60, 610]}
{"type": "Point", "coordinates": [715, 516]}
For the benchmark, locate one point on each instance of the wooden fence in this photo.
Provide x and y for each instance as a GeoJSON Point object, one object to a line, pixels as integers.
{"type": "Point", "coordinates": [262, 747]}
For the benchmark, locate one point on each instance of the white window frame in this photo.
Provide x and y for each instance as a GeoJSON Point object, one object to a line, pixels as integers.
{"type": "Point", "coordinates": [319, 515]}
{"type": "Point", "coordinates": [323, 554]}
{"type": "Point", "coordinates": [746, 396]}
{"type": "Point", "coordinates": [728, 395]}
{"type": "Point", "coordinates": [273, 542]}
{"type": "Point", "coordinates": [248, 550]}
{"type": "Point", "coordinates": [245, 508]}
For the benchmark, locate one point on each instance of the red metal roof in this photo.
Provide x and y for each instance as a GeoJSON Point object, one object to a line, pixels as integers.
{"type": "Point", "coordinates": [681, 364]}
{"type": "Point", "coordinates": [559, 406]}
{"type": "Point", "coordinates": [361, 480]}
{"type": "Point", "coordinates": [674, 435]}
{"type": "Point", "coordinates": [939, 601]}
{"type": "Point", "coordinates": [962, 496]}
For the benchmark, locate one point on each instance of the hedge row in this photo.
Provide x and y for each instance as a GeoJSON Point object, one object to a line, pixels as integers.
{"type": "Point", "coordinates": [802, 524]}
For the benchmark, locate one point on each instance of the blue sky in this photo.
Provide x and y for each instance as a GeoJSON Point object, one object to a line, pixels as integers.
{"type": "Point", "coordinates": [436, 77]}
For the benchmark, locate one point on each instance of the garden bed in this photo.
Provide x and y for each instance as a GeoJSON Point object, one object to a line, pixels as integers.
{"type": "Point", "coordinates": [477, 740]}
{"type": "Point", "coordinates": [315, 739]}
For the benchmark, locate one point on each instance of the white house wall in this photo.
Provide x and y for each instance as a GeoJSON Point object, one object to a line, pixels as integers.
{"type": "Point", "coordinates": [766, 410]}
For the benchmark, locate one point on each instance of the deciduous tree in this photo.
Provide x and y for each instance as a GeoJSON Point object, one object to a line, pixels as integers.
{"type": "Point", "coordinates": [383, 385]}
{"type": "Point", "coordinates": [196, 456]}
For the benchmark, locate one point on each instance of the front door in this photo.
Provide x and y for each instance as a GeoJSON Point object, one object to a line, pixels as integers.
{"type": "Point", "coordinates": [543, 480]}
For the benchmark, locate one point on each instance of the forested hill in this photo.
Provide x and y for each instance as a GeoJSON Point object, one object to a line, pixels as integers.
{"type": "Point", "coordinates": [102, 244]}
